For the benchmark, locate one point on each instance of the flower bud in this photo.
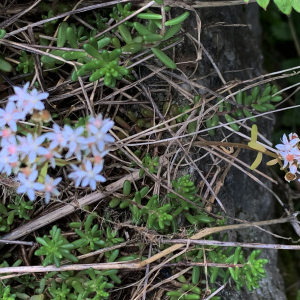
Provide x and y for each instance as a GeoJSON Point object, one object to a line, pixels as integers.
{"type": "Point", "coordinates": [41, 116]}
{"type": "Point", "coordinates": [290, 177]}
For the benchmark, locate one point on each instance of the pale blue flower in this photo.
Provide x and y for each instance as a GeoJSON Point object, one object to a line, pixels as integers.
{"type": "Point", "coordinates": [28, 184]}
{"type": "Point", "coordinates": [10, 116]}
{"type": "Point", "coordinates": [6, 133]}
{"type": "Point", "coordinates": [50, 156]}
{"type": "Point", "coordinates": [96, 123]}
{"type": "Point", "coordinates": [287, 145]}
{"type": "Point", "coordinates": [75, 140]}
{"type": "Point", "coordinates": [27, 101]}
{"type": "Point", "coordinates": [21, 94]}
{"type": "Point", "coordinates": [50, 187]}
{"type": "Point", "coordinates": [76, 175]}
{"type": "Point", "coordinates": [98, 129]}
{"type": "Point", "coordinates": [34, 101]}
{"type": "Point", "coordinates": [289, 156]}
{"type": "Point", "coordinates": [92, 175]}
{"type": "Point", "coordinates": [11, 145]}
{"type": "Point", "coordinates": [294, 169]}
{"type": "Point", "coordinates": [89, 176]}
{"type": "Point", "coordinates": [23, 147]}
{"type": "Point", "coordinates": [6, 161]}
{"type": "Point", "coordinates": [31, 146]}
{"type": "Point", "coordinates": [96, 154]}
{"type": "Point", "coordinates": [57, 137]}
{"type": "Point", "coordinates": [102, 138]}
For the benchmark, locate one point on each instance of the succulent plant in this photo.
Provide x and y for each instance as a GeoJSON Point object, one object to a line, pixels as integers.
{"type": "Point", "coordinates": [56, 248]}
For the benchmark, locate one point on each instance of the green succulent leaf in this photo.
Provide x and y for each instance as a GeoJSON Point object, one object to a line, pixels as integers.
{"type": "Point", "coordinates": [166, 60]}
{"type": "Point", "coordinates": [92, 51]}
{"type": "Point", "coordinates": [5, 66]}
{"type": "Point", "coordinates": [55, 249]}
{"type": "Point", "coordinates": [2, 33]}
{"type": "Point", "coordinates": [62, 34]}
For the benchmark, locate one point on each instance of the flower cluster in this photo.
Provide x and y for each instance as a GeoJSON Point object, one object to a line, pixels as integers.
{"type": "Point", "coordinates": [27, 152]}
{"type": "Point", "coordinates": [290, 153]}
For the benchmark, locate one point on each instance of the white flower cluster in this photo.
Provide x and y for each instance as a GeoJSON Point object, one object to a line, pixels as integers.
{"type": "Point", "coordinates": [290, 153]}
{"type": "Point", "coordinates": [25, 154]}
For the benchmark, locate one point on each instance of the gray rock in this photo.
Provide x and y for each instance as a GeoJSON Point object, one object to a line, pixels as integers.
{"type": "Point", "coordinates": [237, 49]}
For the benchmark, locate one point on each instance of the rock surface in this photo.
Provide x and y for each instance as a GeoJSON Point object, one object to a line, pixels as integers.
{"type": "Point", "coordinates": [236, 51]}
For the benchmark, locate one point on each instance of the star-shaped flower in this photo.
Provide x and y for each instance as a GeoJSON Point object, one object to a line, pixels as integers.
{"type": "Point", "coordinates": [28, 184]}
{"type": "Point", "coordinates": [50, 187]}
{"type": "Point", "coordinates": [287, 145]}
{"type": "Point", "coordinates": [31, 146]}
{"type": "Point", "coordinates": [76, 175]}
{"type": "Point", "coordinates": [6, 133]}
{"type": "Point", "coordinates": [289, 156]}
{"type": "Point", "coordinates": [6, 161]}
{"type": "Point", "coordinates": [88, 175]}
{"type": "Point", "coordinates": [75, 140]}
{"type": "Point", "coordinates": [21, 94]}
{"type": "Point", "coordinates": [50, 156]}
{"type": "Point", "coordinates": [34, 101]}
{"type": "Point", "coordinates": [10, 116]}
{"type": "Point", "coordinates": [99, 136]}
{"type": "Point", "coordinates": [57, 137]}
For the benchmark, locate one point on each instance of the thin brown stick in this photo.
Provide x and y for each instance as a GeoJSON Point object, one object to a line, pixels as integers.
{"type": "Point", "coordinates": [37, 62]}
{"type": "Point", "coordinates": [11, 20]}
{"type": "Point", "coordinates": [197, 4]}
{"type": "Point", "coordinates": [294, 34]}
{"type": "Point", "coordinates": [75, 267]}
{"type": "Point", "coordinates": [229, 244]}
{"type": "Point", "coordinates": [202, 264]}
{"type": "Point", "coordinates": [216, 292]}
{"type": "Point", "coordinates": [168, 279]}
{"type": "Point", "coordinates": [159, 266]}
{"type": "Point", "coordinates": [208, 231]}
{"type": "Point", "coordinates": [105, 266]}
{"type": "Point", "coordinates": [146, 273]}
{"type": "Point", "coordinates": [103, 250]}
{"type": "Point", "coordinates": [17, 242]}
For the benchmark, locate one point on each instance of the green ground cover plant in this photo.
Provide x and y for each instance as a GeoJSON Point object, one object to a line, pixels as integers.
{"type": "Point", "coordinates": [62, 152]}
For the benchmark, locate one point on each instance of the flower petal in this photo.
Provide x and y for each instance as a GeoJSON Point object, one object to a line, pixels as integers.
{"type": "Point", "coordinates": [38, 186]}
{"type": "Point", "coordinates": [31, 194]}
{"type": "Point", "coordinates": [85, 182]}
{"type": "Point", "coordinates": [100, 178]}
